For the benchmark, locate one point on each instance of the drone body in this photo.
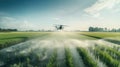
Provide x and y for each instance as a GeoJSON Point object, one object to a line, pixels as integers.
{"type": "Point", "coordinates": [60, 27]}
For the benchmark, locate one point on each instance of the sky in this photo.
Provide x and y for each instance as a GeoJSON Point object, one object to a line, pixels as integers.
{"type": "Point", "coordinates": [44, 14]}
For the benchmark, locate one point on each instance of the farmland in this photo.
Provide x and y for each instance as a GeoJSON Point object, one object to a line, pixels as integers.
{"type": "Point", "coordinates": [11, 38]}
{"type": "Point", "coordinates": [59, 49]}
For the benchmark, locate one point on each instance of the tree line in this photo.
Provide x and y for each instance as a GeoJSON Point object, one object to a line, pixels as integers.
{"type": "Point", "coordinates": [7, 30]}
{"type": "Point", "coordinates": [99, 29]}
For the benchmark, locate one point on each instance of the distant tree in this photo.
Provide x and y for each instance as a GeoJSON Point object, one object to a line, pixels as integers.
{"type": "Point", "coordinates": [118, 30]}
{"type": "Point", "coordinates": [91, 29]}
{"type": "Point", "coordinates": [98, 29]}
{"type": "Point", "coordinates": [7, 30]}
{"type": "Point", "coordinates": [113, 30]}
{"type": "Point", "coordinates": [105, 29]}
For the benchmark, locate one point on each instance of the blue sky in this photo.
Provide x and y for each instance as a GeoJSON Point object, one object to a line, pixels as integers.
{"type": "Point", "coordinates": [43, 14]}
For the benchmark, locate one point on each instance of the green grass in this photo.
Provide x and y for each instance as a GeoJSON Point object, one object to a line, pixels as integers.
{"type": "Point", "coordinates": [102, 34]}
{"type": "Point", "coordinates": [10, 38]}
{"type": "Point", "coordinates": [113, 37]}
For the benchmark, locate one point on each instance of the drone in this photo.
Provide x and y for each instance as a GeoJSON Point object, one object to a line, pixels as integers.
{"type": "Point", "coordinates": [60, 27]}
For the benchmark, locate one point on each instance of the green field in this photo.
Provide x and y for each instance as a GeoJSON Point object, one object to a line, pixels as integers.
{"type": "Point", "coordinates": [12, 38]}
{"type": "Point", "coordinates": [59, 49]}
{"type": "Point", "coordinates": [102, 34]}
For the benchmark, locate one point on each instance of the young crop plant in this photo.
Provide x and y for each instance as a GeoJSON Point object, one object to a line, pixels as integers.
{"type": "Point", "coordinates": [113, 52]}
{"type": "Point", "coordinates": [106, 58]}
{"type": "Point", "coordinates": [52, 61]}
{"type": "Point", "coordinates": [69, 58]}
{"type": "Point", "coordinates": [87, 59]}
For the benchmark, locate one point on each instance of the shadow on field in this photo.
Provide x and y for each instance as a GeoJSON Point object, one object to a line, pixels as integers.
{"type": "Point", "coordinates": [109, 40]}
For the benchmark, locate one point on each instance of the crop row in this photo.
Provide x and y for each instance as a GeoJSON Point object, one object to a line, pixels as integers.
{"type": "Point", "coordinates": [52, 60]}
{"type": "Point", "coordinates": [87, 59]}
{"type": "Point", "coordinates": [106, 58]}
{"type": "Point", "coordinates": [112, 51]}
{"type": "Point", "coordinates": [69, 58]}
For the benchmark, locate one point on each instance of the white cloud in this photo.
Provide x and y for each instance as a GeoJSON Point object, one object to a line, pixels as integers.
{"type": "Point", "coordinates": [101, 5]}
{"type": "Point", "coordinates": [8, 18]}
{"type": "Point", "coordinates": [9, 22]}
{"type": "Point", "coordinates": [57, 18]}
{"type": "Point", "coordinates": [26, 25]}
{"type": "Point", "coordinates": [5, 19]}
